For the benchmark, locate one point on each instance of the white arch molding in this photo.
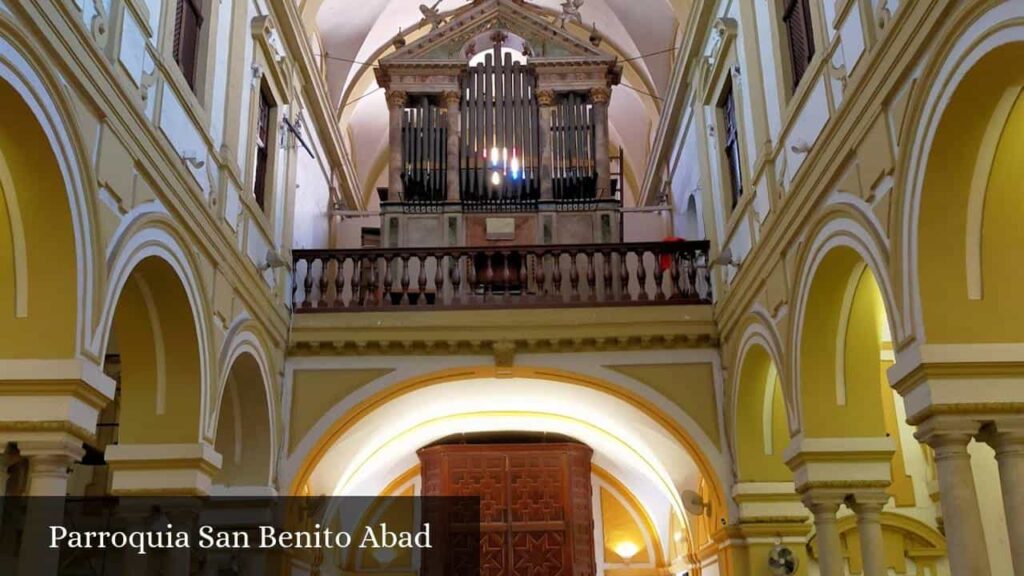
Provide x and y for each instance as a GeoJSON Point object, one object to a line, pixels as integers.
{"type": "Point", "coordinates": [1001, 24]}
{"type": "Point", "coordinates": [242, 340]}
{"type": "Point", "coordinates": [629, 443]}
{"type": "Point", "coordinates": [41, 94]}
{"type": "Point", "coordinates": [839, 231]}
{"type": "Point", "coordinates": [150, 235]}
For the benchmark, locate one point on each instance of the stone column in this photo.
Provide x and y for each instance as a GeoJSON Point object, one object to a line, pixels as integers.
{"type": "Point", "coordinates": [49, 463]}
{"type": "Point", "coordinates": [452, 99]}
{"type": "Point", "coordinates": [824, 506]}
{"type": "Point", "coordinates": [599, 98]}
{"type": "Point", "coordinates": [1009, 447]}
{"type": "Point", "coordinates": [868, 508]}
{"type": "Point", "coordinates": [968, 554]}
{"type": "Point", "coordinates": [396, 106]}
{"type": "Point", "coordinates": [546, 102]}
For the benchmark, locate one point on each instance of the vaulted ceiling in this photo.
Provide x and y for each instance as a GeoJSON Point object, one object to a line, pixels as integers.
{"type": "Point", "coordinates": [351, 35]}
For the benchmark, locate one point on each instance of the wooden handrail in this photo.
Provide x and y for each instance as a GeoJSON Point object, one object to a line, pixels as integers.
{"type": "Point", "coordinates": [501, 276]}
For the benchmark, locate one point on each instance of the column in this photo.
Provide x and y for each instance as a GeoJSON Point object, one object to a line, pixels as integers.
{"type": "Point", "coordinates": [5, 462]}
{"type": "Point", "coordinates": [396, 106]}
{"type": "Point", "coordinates": [968, 555]}
{"type": "Point", "coordinates": [49, 463]}
{"type": "Point", "coordinates": [451, 100]}
{"type": "Point", "coordinates": [868, 508]}
{"type": "Point", "coordinates": [824, 506]}
{"type": "Point", "coordinates": [1009, 447]}
{"type": "Point", "coordinates": [545, 101]}
{"type": "Point", "coordinates": [599, 98]}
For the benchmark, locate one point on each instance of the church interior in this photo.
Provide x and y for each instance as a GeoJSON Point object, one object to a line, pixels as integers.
{"type": "Point", "coordinates": [674, 287]}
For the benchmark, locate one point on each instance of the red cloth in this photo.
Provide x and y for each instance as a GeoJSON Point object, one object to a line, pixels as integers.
{"type": "Point", "coordinates": [665, 261]}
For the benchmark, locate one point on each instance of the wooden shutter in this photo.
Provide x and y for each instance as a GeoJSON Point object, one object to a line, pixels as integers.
{"type": "Point", "coordinates": [797, 18]}
{"type": "Point", "coordinates": [259, 184]}
{"type": "Point", "coordinates": [731, 144]}
{"type": "Point", "coordinates": [188, 22]}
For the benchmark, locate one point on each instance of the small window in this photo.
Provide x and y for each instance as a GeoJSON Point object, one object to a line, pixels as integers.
{"type": "Point", "coordinates": [731, 144]}
{"type": "Point", "coordinates": [188, 22]}
{"type": "Point", "coordinates": [263, 119]}
{"type": "Point", "coordinates": [797, 18]}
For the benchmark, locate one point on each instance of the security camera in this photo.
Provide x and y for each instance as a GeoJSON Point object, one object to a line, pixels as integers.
{"type": "Point", "coordinates": [725, 258]}
{"type": "Point", "coordinates": [274, 261]}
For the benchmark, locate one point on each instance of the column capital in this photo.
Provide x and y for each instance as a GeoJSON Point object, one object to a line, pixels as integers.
{"type": "Point", "coordinates": [545, 98]}
{"type": "Point", "coordinates": [600, 95]}
{"type": "Point", "coordinates": [451, 98]}
{"type": "Point", "coordinates": [868, 502]}
{"type": "Point", "coordinates": [948, 435]}
{"type": "Point", "coordinates": [397, 98]}
{"type": "Point", "coordinates": [823, 500]}
{"type": "Point", "coordinates": [1005, 436]}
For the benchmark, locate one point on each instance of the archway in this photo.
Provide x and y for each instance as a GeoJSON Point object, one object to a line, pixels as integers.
{"type": "Point", "coordinates": [761, 422]}
{"type": "Point", "coordinates": [39, 284]}
{"type": "Point", "coordinates": [968, 232]}
{"type": "Point", "coordinates": [244, 430]}
{"type": "Point", "coordinates": [154, 342]}
{"type": "Point", "coordinates": [638, 446]}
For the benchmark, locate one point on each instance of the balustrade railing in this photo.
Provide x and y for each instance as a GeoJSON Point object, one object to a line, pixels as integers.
{"type": "Point", "coordinates": [491, 277]}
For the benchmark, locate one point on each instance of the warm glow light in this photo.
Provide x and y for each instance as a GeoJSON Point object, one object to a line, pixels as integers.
{"type": "Point", "coordinates": [494, 156]}
{"type": "Point", "coordinates": [626, 550]}
{"type": "Point", "coordinates": [495, 179]}
{"type": "Point", "coordinates": [679, 536]}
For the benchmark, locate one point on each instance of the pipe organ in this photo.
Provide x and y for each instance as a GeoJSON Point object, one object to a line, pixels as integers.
{"type": "Point", "coordinates": [499, 136]}
{"type": "Point", "coordinates": [504, 144]}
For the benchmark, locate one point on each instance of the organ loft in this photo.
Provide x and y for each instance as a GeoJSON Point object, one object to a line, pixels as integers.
{"type": "Point", "coordinates": [498, 133]}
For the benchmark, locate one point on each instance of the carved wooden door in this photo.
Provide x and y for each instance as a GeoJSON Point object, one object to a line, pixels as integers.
{"type": "Point", "coordinates": [535, 504]}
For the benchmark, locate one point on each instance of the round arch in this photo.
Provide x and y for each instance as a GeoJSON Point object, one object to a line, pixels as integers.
{"type": "Point", "coordinates": [155, 321]}
{"type": "Point", "coordinates": [244, 433]}
{"type": "Point", "coordinates": [843, 260]}
{"type": "Point", "coordinates": [760, 413]}
{"type": "Point", "coordinates": [46, 213]}
{"type": "Point", "coordinates": [672, 434]}
{"type": "Point", "coordinates": [956, 221]}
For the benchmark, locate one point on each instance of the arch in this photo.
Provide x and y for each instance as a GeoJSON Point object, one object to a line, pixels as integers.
{"type": "Point", "coordinates": [760, 411]}
{"type": "Point", "coordinates": [244, 424]}
{"type": "Point", "coordinates": [674, 433]}
{"type": "Point", "coordinates": [46, 214]}
{"type": "Point", "coordinates": [951, 164]}
{"type": "Point", "coordinates": [842, 241]}
{"type": "Point", "coordinates": [155, 320]}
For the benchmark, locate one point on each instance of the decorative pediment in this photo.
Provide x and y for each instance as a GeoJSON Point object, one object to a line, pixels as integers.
{"type": "Point", "coordinates": [471, 29]}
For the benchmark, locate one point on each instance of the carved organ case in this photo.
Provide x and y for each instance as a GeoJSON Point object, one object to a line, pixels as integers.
{"type": "Point", "coordinates": [499, 114]}
{"type": "Point", "coordinates": [536, 507]}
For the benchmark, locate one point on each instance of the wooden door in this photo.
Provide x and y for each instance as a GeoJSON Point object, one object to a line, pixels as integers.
{"type": "Point", "coordinates": [535, 504]}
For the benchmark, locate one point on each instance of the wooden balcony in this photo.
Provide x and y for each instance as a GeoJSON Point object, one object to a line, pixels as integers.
{"type": "Point", "coordinates": [554, 276]}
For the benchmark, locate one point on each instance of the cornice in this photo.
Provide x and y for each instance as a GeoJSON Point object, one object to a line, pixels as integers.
{"type": "Point", "coordinates": [503, 332]}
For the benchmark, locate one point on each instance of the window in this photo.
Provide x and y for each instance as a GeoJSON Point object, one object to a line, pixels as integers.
{"type": "Point", "coordinates": [797, 18]}
{"type": "Point", "coordinates": [263, 119]}
{"type": "Point", "coordinates": [188, 22]}
{"type": "Point", "coordinates": [731, 144]}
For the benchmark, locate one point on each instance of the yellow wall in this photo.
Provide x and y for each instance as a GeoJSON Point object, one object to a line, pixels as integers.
{"type": "Point", "coordinates": [754, 463]}
{"type": "Point", "coordinates": [140, 332]}
{"type": "Point", "coordinates": [949, 315]}
{"type": "Point", "coordinates": [28, 166]}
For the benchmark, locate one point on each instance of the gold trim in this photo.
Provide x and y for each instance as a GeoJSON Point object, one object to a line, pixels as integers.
{"type": "Point", "coordinates": [364, 408]}
{"type": "Point", "coordinates": [21, 426]}
{"type": "Point", "coordinates": [631, 499]}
